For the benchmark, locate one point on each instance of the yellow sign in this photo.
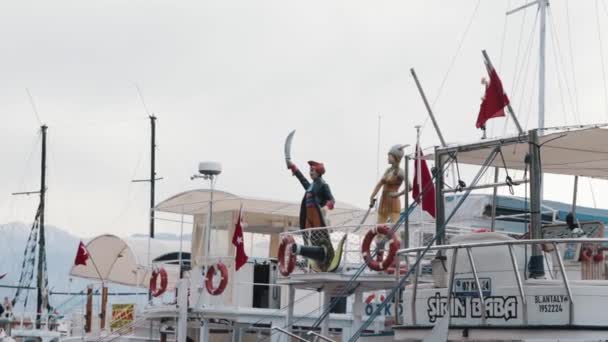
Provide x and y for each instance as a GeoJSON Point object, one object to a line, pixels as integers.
{"type": "Point", "coordinates": [122, 316]}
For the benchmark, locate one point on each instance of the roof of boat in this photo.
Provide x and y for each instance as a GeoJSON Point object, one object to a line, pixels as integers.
{"type": "Point", "coordinates": [196, 202]}
{"type": "Point", "coordinates": [574, 150]}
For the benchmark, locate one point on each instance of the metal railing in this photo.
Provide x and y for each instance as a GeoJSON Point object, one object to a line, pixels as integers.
{"type": "Point", "coordinates": [354, 234]}
{"type": "Point", "coordinates": [468, 247]}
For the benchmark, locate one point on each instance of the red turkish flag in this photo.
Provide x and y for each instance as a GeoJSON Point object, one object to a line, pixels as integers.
{"type": "Point", "coordinates": [494, 100]}
{"type": "Point", "coordinates": [237, 240]}
{"type": "Point", "coordinates": [82, 255]}
{"type": "Point", "coordinates": [428, 194]}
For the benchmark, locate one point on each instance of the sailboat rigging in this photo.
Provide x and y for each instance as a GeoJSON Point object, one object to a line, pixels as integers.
{"type": "Point", "coordinates": [35, 248]}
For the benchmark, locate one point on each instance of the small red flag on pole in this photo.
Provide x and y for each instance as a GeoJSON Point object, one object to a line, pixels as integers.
{"type": "Point", "coordinates": [424, 181]}
{"type": "Point", "coordinates": [82, 255]}
{"type": "Point", "coordinates": [494, 100]}
{"type": "Point", "coordinates": [237, 240]}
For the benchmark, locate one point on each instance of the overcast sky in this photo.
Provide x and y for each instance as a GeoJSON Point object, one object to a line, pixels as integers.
{"type": "Point", "coordinates": [228, 80]}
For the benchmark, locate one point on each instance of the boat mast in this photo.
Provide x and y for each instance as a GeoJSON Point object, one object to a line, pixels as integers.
{"type": "Point", "coordinates": [152, 178]}
{"type": "Point", "coordinates": [152, 171]}
{"type": "Point", "coordinates": [41, 241]}
{"type": "Point", "coordinates": [542, 4]}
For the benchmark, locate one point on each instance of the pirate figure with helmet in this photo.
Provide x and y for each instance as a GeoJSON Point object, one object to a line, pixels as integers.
{"type": "Point", "coordinates": [390, 205]}
{"type": "Point", "coordinates": [317, 246]}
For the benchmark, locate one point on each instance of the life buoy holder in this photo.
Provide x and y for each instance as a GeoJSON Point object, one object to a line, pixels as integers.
{"type": "Point", "coordinates": [154, 290]}
{"type": "Point", "coordinates": [216, 291]}
{"type": "Point", "coordinates": [286, 266]}
{"type": "Point", "coordinates": [380, 264]}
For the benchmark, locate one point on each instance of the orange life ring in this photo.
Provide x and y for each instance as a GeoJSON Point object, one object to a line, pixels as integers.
{"type": "Point", "coordinates": [286, 267]}
{"type": "Point", "coordinates": [154, 280]}
{"type": "Point", "coordinates": [378, 264]}
{"type": "Point", "coordinates": [216, 291]}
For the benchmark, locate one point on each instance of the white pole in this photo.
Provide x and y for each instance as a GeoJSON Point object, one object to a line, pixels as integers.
{"type": "Point", "coordinates": [208, 230]}
{"type": "Point", "coordinates": [378, 148]}
{"type": "Point", "coordinates": [541, 75]}
{"type": "Point", "coordinates": [419, 232]}
{"type": "Point", "coordinates": [209, 218]}
{"type": "Point", "coordinates": [181, 243]}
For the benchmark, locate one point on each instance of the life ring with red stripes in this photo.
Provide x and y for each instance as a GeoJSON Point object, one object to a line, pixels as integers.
{"type": "Point", "coordinates": [586, 254]}
{"type": "Point", "coordinates": [286, 266]}
{"type": "Point", "coordinates": [154, 290]}
{"type": "Point", "coordinates": [599, 256]}
{"type": "Point", "coordinates": [216, 291]}
{"type": "Point", "coordinates": [384, 263]}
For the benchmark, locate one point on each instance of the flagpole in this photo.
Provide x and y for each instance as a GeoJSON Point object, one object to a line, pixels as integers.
{"type": "Point", "coordinates": [421, 195]}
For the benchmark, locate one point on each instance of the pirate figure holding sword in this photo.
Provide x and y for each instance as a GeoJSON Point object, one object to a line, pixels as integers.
{"type": "Point", "coordinates": [317, 243]}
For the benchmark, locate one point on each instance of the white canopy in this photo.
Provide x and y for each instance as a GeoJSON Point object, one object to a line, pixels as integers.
{"type": "Point", "coordinates": [196, 202]}
{"type": "Point", "coordinates": [124, 261]}
{"type": "Point", "coordinates": [582, 152]}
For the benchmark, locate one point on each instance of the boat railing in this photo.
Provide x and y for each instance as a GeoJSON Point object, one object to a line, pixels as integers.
{"type": "Point", "coordinates": [353, 235]}
{"type": "Point", "coordinates": [509, 244]}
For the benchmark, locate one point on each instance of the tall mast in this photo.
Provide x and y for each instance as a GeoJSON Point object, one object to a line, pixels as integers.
{"type": "Point", "coordinates": [152, 171]}
{"type": "Point", "coordinates": [542, 4]}
{"type": "Point", "coordinates": [542, 7]}
{"type": "Point", "coordinates": [152, 178]}
{"type": "Point", "coordinates": [41, 241]}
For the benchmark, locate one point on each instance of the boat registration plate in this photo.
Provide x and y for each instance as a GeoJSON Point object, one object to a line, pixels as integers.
{"type": "Point", "coordinates": [468, 287]}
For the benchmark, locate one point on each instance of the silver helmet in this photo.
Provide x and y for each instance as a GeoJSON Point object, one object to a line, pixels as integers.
{"type": "Point", "coordinates": [397, 151]}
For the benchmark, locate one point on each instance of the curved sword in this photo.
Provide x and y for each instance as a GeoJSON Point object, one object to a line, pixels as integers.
{"type": "Point", "coordinates": [288, 147]}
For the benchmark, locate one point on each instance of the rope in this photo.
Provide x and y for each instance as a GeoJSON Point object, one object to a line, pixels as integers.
{"type": "Point", "coordinates": [453, 60]}
{"type": "Point", "coordinates": [508, 178]}
{"type": "Point", "coordinates": [599, 38]}
{"type": "Point", "coordinates": [524, 71]}
{"type": "Point", "coordinates": [561, 64]}
{"type": "Point", "coordinates": [461, 184]}
{"type": "Point", "coordinates": [578, 108]}
{"type": "Point", "coordinates": [500, 57]}
{"type": "Point", "coordinates": [29, 259]}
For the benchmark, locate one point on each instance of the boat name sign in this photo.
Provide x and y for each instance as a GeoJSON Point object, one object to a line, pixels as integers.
{"type": "Point", "coordinates": [497, 307]}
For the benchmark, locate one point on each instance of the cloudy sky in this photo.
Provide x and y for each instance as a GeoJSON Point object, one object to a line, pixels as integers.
{"type": "Point", "coordinates": [229, 79]}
